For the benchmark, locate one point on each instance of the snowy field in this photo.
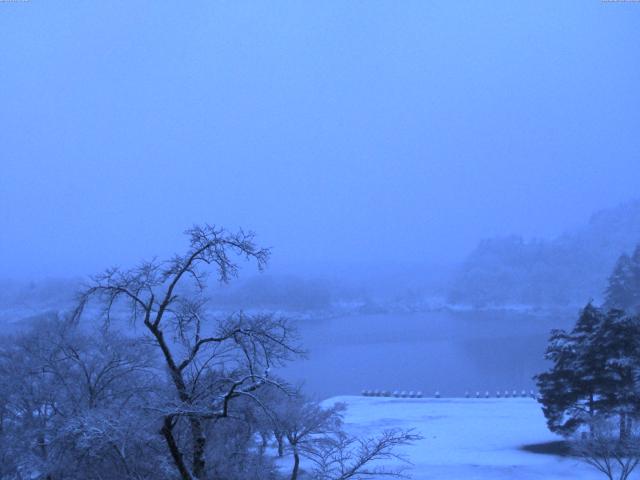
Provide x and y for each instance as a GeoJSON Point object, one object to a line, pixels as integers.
{"type": "Point", "coordinates": [467, 438]}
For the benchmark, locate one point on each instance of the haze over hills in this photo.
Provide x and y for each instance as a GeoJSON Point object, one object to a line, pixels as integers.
{"type": "Point", "coordinates": [570, 269]}
{"type": "Point", "coordinates": [313, 295]}
{"type": "Point", "coordinates": [505, 271]}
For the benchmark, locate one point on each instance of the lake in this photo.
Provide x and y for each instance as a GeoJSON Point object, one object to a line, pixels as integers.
{"type": "Point", "coordinates": [449, 352]}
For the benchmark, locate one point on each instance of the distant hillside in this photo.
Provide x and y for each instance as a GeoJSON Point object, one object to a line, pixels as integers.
{"type": "Point", "coordinates": [20, 299]}
{"type": "Point", "coordinates": [570, 269]}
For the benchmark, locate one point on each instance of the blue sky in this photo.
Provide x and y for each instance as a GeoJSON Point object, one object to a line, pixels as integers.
{"type": "Point", "coordinates": [355, 132]}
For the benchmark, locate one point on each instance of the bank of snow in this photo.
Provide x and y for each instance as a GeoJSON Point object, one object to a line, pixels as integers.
{"type": "Point", "coordinates": [467, 438]}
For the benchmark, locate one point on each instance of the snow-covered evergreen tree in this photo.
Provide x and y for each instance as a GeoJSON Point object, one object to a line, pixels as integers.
{"type": "Point", "coordinates": [623, 290]}
{"type": "Point", "coordinates": [618, 344]}
{"type": "Point", "coordinates": [595, 371]}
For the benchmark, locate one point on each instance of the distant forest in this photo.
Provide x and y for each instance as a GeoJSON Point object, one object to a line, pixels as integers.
{"type": "Point", "coordinates": [568, 270]}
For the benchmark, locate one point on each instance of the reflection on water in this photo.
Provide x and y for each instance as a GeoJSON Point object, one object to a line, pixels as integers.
{"type": "Point", "coordinates": [444, 351]}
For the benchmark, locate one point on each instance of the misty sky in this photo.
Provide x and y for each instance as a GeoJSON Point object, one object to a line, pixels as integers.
{"type": "Point", "coordinates": [352, 132]}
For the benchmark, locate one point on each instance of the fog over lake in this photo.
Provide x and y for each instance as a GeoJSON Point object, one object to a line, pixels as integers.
{"type": "Point", "coordinates": [381, 345]}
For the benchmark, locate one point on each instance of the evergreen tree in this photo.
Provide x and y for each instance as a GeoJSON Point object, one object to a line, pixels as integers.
{"type": "Point", "coordinates": [568, 389]}
{"type": "Point", "coordinates": [623, 290]}
{"type": "Point", "coordinates": [619, 347]}
{"type": "Point", "coordinates": [595, 371]}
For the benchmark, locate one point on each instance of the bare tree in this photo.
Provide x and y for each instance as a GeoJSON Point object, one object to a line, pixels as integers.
{"type": "Point", "coordinates": [73, 405]}
{"type": "Point", "coordinates": [604, 449]}
{"type": "Point", "coordinates": [305, 425]}
{"type": "Point", "coordinates": [316, 433]}
{"type": "Point", "coordinates": [210, 363]}
{"type": "Point", "coordinates": [344, 457]}
{"type": "Point", "coordinates": [194, 396]}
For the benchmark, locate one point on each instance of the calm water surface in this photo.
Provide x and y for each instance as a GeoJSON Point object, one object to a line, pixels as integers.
{"type": "Point", "coordinates": [449, 352]}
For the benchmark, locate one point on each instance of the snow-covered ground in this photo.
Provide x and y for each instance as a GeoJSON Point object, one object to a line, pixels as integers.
{"type": "Point", "coordinates": [467, 438]}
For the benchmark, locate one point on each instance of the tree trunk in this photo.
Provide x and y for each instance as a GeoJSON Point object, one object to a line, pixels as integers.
{"type": "Point", "coordinates": [195, 424]}
{"type": "Point", "coordinates": [629, 426]}
{"type": "Point", "coordinates": [264, 442]}
{"type": "Point", "coordinates": [280, 439]}
{"type": "Point", "coordinates": [623, 427]}
{"type": "Point", "coordinates": [199, 441]}
{"type": "Point", "coordinates": [296, 464]}
{"type": "Point", "coordinates": [176, 454]}
{"type": "Point", "coordinates": [42, 444]}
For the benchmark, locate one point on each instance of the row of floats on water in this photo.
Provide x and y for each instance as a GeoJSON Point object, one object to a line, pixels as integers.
{"type": "Point", "coordinates": [467, 394]}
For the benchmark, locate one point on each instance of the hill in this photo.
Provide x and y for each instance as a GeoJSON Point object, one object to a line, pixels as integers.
{"type": "Point", "coordinates": [568, 270]}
